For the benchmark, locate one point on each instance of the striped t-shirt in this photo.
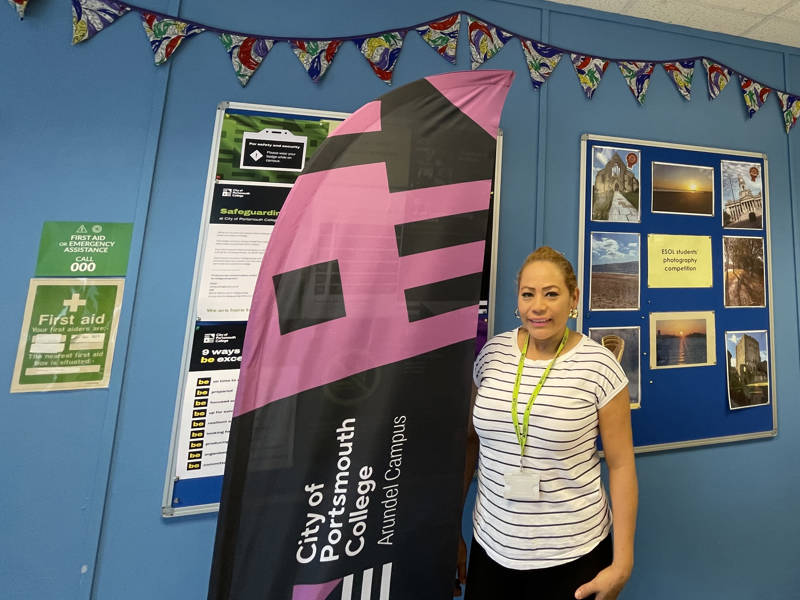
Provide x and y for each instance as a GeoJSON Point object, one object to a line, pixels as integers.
{"type": "Point", "coordinates": [572, 514]}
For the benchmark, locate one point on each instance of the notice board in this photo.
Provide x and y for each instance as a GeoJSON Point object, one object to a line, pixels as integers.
{"type": "Point", "coordinates": [675, 273]}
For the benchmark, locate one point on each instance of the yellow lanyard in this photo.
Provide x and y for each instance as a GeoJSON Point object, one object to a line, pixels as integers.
{"type": "Point", "coordinates": [522, 435]}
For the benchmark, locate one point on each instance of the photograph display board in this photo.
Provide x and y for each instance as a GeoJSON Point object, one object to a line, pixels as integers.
{"type": "Point", "coordinates": [257, 153]}
{"type": "Point", "coordinates": [674, 267]}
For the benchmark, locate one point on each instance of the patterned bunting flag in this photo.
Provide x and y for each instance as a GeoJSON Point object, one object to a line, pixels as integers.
{"type": "Point", "coordinates": [246, 53]}
{"type": "Point", "coordinates": [20, 6]}
{"type": "Point", "coordinates": [316, 56]}
{"type": "Point", "coordinates": [382, 52]}
{"type": "Point", "coordinates": [92, 16]}
{"type": "Point", "coordinates": [755, 94]}
{"type": "Point", "coordinates": [442, 36]}
{"type": "Point", "coordinates": [637, 75]}
{"type": "Point", "coordinates": [485, 40]}
{"type": "Point", "coordinates": [166, 34]}
{"type": "Point", "coordinates": [718, 77]}
{"type": "Point", "coordinates": [590, 71]}
{"type": "Point", "coordinates": [541, 60]}
{"type": "Point", "coordinates": [790, 105]}
{"type": "Point", "coordinates": [681, 73]}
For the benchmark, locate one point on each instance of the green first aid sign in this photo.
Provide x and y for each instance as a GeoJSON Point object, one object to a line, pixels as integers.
{"type": "Point", "coordinates": [81, 248]}
{"type": "Point", "coordinates": [68, 334]}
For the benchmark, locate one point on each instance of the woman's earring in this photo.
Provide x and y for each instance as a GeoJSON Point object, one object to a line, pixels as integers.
{"type": "Point", "coordinates": [516, 312]}
{"type": "Point", "coordinates": [573, 313]}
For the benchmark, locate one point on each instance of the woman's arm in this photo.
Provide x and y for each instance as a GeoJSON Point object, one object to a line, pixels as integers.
{"type": "Point", "coordinates": [615, 431]}
{"type": "Point", "coordinates": [470, 461]}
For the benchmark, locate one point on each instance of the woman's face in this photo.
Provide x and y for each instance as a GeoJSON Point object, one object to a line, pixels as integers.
{"type": "Point", "coordinates": [544, 300]}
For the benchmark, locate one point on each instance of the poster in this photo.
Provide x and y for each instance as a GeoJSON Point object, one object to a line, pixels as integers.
{"type": "Point", "coordinates": [68, 333]}
{"type": "Point", "coordinates": [209, 391]}
{"type": "Point", "coordinates": [748, 368]}
{"type": "Point", "coordinates": [239, 227]}
{"type": "Point", "coordinates": [742, 195]}
{"type": "Point", "coordinates": [75, 248]}
{"type": "Point", "coordinates": [615, 184]}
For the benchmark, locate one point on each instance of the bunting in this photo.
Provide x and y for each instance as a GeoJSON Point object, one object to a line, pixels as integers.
{"type": "Point", "coordinates": [20, 6]}
{"type": "Point", "coordinates": [166, 34]}
{"type": "Point", "coordinates": [246, 53]}
{"type": "Point", "coordinates": [315, 55]}
{"type": "Point", "coordinates": [637, 76]}
{"type": "Point", "coordinates": [485, 40]}
{"type": "Point", "coordinates": [382, 52]}
{"type": "Point", "coordinates": [541, 60]}
{"type": "Point", "coordinates": [681, 73]}
{"type": "Point", "coordinates": [755, 94]}
{"type": "Point", "coordinates": [92, 16]}
{"type": "Point", "coordinates": [718, 77]}
{"type": "Point", "coordinates": [790, 106]}
{"type": "Point", "coordinates": [590, 71]}
{"type": "Point", "coordinates": [442, 36]}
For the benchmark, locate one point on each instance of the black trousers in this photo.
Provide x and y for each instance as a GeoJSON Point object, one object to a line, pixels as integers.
{"type": "Point", "coordinates": [486, 580]}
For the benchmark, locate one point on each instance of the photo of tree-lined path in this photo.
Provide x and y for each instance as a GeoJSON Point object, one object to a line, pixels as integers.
{"type": "Point", "coordinates": [743, 259]}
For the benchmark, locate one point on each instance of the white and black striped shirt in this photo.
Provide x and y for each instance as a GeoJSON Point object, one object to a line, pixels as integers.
{"type": "Point", "coordinates": [572, 514]}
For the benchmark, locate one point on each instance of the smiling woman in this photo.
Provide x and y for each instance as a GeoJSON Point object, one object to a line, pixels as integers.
{"type": "Point", "coordinates": [542, 520]}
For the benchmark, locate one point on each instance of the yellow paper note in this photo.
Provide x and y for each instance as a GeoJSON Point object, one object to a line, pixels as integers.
{"type": "Point", "coordinates": [679, 261]}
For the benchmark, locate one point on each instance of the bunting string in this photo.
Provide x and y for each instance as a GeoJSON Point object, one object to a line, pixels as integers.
{"type": "Point", "coordinates": [166, 33]}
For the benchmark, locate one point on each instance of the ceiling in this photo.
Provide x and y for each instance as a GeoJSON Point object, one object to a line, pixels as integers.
{"type": "Point", "coordinates": [775, 21]}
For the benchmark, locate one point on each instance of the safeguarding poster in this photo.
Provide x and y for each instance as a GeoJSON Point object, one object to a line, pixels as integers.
{"type": "Point", "coordinates": [68, 334]}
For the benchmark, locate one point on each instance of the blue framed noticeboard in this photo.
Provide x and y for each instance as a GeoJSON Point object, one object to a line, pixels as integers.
{"type": "Point", "coordinates": [675, 272]}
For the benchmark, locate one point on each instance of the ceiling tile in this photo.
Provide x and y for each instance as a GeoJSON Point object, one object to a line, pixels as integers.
{"type": "Point", "coordinates": [791, 12]}
{"type": "Point", "coordinates": [762, 7]}
{"type": "Point", "coordinates": [612, 6]}
{"type": "Point", "coordinates": [777, 30]}
{"type": "Point", "coordinates": [693, 15]}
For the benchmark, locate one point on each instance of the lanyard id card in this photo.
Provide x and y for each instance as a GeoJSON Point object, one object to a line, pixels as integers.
{"type": "Point", "coordinates": [521, 485]}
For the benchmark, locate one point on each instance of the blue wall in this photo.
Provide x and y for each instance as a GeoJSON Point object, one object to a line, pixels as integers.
{"type": "Point", "coordinates": [97, 132]}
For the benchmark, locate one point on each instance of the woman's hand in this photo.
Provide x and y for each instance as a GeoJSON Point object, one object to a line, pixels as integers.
{"type": "Point", "coordinates": [606, 585]}
{"type": "Point", "coordinates": [461, 567]}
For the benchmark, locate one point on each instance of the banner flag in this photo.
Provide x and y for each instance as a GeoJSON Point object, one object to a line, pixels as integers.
{"type": "Point", "coordinates": [790, 106]}
{"type": "Point", "coordinates": [246, 53]}
{"type": "Point", "coordinates": [754, 93]}
{"type": "Point", "coordinates": [637, 76]}
{"type": "Point", "coordinates": [20, 6]}
{"type": "Point", "coordinates": [718, 77]}
{"type": "Point", "coordinates": [541, 60]}
{"type": "Point", "coordinates": [92, 16]}
{"type": "Point", "coordinates": [442, 36]}
{"type": "Point", "coordinates": [485, 40]}
{"type": "Point", "coordinates": [345, 460]}
{"type": "Point", "coordinates": [166, 35]}
{"type": "Point", "coordinates": [382, 52]}
{"type": "Point", "coordinates": [315, 55]}
{"type": "Point", "coordinates": [681, 73]}
{"type": "Point", "coordinates": [590, 71]}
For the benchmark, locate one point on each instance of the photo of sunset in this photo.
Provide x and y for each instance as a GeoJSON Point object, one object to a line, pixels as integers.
{"type": "Point", "coordinates": [682, 339]}
{"type": "Point", "coordinates": [683, 189]}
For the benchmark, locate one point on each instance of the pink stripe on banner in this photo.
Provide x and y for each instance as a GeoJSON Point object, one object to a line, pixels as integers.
{"type": "Point", "coordinates": [367, 118]}
{"type": "Point", "coordinates": [438, 265]}
{"type": "Point", "coordinates": [317, 591]}
{"type": "Point", "coordinates": [469, 92]}
{"type": "Point", "coordinates": [348, 215]}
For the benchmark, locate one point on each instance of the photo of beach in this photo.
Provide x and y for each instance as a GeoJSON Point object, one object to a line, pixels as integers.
{"type": "Point", "coordinates": [614, 282]}
{"type": "Point", "coordinates": [682, 339]}
{"type": "Point", "coordinates": [683, 189]}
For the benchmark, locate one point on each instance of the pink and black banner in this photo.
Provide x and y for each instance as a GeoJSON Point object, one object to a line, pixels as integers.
{"type": "Point", "coordinates": [345, 458]}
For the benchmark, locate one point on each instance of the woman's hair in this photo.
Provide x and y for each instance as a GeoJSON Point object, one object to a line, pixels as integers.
{"type": "Point", "coordinates": [546, 253]}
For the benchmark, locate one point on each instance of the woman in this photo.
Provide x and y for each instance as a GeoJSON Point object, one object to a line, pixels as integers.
{"type": "Point", "coordinates": [542, 522]}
